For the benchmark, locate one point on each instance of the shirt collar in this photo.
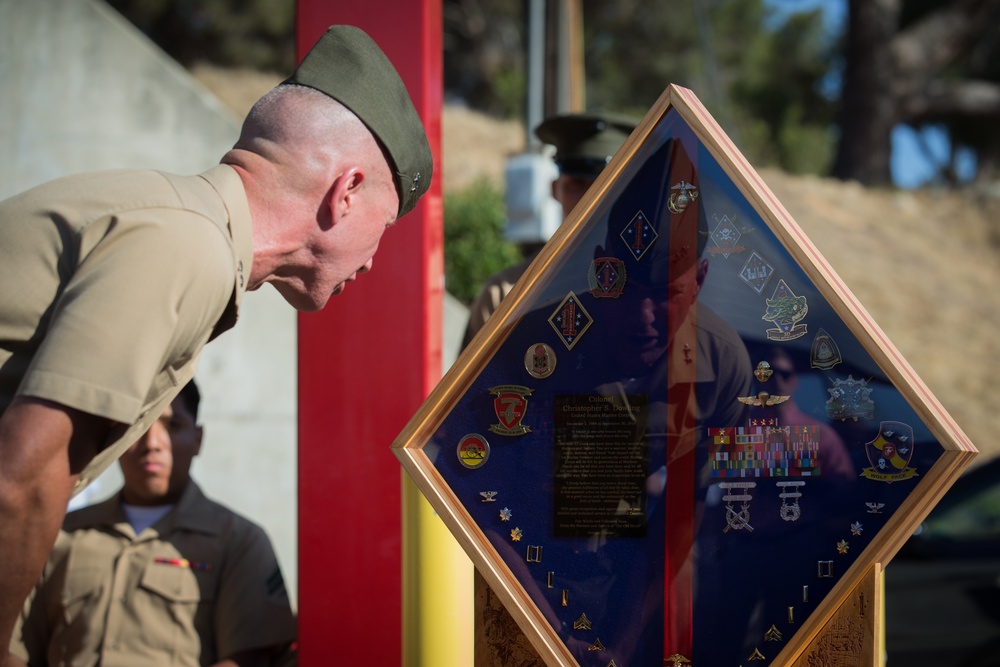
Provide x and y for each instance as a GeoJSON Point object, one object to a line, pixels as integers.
{"type": "Point", "coordinates": [229, 185]}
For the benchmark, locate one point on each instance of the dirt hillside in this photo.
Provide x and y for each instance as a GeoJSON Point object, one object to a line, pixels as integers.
{"type": "Point", "coordinates": [925, 264]}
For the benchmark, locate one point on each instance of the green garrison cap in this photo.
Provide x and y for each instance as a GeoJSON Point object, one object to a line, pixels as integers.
{"type": "Point", "coordinates": [349, 67]}
{"type": "Point", "coordinates": [586, 142]}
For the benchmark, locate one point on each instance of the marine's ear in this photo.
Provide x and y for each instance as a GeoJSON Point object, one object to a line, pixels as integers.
{"type": "Point", "coordinates": [343, 192]}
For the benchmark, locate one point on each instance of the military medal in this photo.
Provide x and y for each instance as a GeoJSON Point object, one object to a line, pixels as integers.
{"type": "Point", "coordinates": [785, 310]}
{"type": "Point", "coordinates": [606, 277]}
{"type": "Point", "coordinates": [540, 361]}
{"type": "Point", "coordinates": [763, 372]}
{"type": "Point", "coordinates": [824, 354]}
{"type": "Point", "coordinates": [638, 235]}
{"type": "Point", "coordinates": [890, 453]}
{"type": "Point", "coordinates": [473, 450]}
{"type": "Point", "coordinates": [849, 400]}
{"type": "Point", "coordinates": [763, 399]}
{"type": "Point", "coordinates": [764, 451]}
{"type": "Point", "coordinates": [756, 272]}
{"type": "Point", "coordinates": [510, 403]}
{"type": "Point", "coordinates": [726, 236]}
{"type": "Point", "coordinates": [738, 520]}
{"type": "Point", "coordinates": [790, 512]}
{"type": "Point", "coordinates": [570, 320]}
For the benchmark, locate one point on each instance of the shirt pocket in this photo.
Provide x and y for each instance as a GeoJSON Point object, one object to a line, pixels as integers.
{"type": "Point", "coordinates": [181, 599]}
{"type": "Point", "coordinates": [81, 594]}
{"type": "Point", "coordinates": [173, 583]}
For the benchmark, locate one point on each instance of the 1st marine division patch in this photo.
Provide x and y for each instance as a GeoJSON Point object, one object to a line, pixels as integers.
{"type": "Point", "coordinates": [607, 277]}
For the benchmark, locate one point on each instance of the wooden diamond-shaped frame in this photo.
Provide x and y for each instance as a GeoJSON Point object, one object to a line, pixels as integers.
{"type": "Point", "coordinates": [688, 507]}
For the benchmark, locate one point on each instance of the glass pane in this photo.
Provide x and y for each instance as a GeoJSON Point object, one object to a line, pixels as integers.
{"type": "Point", "coordinates": [679, 447]}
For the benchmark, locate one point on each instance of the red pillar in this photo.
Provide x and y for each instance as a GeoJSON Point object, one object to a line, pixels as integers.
{"type": "Point", "coordinates": [366, 363]}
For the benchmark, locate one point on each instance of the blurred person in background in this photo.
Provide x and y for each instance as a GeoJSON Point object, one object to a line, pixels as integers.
{"type": "Point", "coordinates": [159, 574]}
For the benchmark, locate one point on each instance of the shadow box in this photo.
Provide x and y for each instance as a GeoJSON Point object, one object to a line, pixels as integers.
{"type": "Point", "coordinates": [681, 440]}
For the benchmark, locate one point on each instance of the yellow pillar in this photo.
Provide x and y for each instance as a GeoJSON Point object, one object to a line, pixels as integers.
{"type": "Point", "coordinates": [437, 589]}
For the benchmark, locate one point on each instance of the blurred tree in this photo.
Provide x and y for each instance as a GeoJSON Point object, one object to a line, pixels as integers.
{"type": "Point", "coordinates": [474, 243]}
{"type": "Point", "coordinates": [761, 81]}
{"type": "Point", "coordinates": [784, 118]}
{"type": "Point", "coordinates": [484, 55]}
{"type": "Point", "coordinates": [253, 34]}
{"type": "Point", "coordinates": [917, 62]}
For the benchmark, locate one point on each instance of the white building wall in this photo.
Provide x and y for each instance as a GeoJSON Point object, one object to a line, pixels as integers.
{"type": "Point", "coordinates": [83, 90]}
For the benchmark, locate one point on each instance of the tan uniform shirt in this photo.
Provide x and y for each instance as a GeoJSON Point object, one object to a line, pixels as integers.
{"type": "Point", "coordinates": [110, 285]}
{"type": "Point", "coordinates": [199, 585]}
{"type": "Point", "coordinates": [496, 288]}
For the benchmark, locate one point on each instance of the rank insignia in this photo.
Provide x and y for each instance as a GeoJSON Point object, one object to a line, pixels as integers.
{"type": "Point", "coordinates": [676, 660]}
{"type": "Point", "coordinates": [824, 354]}
{"type": "Point", "coordinates": [489, 496]}
{"type": "Point", "coordinates": [849, 399]}
{"type": "Point", "coordinates": [726, 236]}
{"type": "Point", "coordinates": [756, 272]}
{"type": "Point", "coordinates": [606, 277]}
{"type": "Point", "coordinates": [890, 453]}
{"type": "Point", "coordinates": [638, 235]}
{"type": "Point", "coordinates": [540, 361]}
{"type": "Point", "coordinates": [516, 534]}
{"type": "Point", "coordinates": [510, 403]}
{"type": "Point", "coordinates": [842, 547]}
{"type": "Point", "coordinates": [582, 623]}
{"type": "Point", "coordinates": [680, 200]}
{"type": "Point", "coordinates": [505, 514]}
{"type": "Point", "coordinates": [785, 310]}
{"type": "Point", "coordinates": [473, 450]}
{"type": "Point", "coordinates": [570, 320]}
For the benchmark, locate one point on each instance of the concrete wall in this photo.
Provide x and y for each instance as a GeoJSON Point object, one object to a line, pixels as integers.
{"type": "Point", "coordinates": [83, 90]}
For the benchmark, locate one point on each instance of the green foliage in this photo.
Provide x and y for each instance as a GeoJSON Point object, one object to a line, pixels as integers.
{"type": "Point", "coordinates": [474, 245]}
{"type": "Point", "coordinates": [252, 34]}
{"type": "Point", "coordinates": [759, 79]}
{"type": "Point", "coordinates": [780, 87]}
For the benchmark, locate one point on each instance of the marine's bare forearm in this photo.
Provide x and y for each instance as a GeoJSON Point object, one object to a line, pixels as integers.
{"type": "Point", "coordinates": [38, 439]}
